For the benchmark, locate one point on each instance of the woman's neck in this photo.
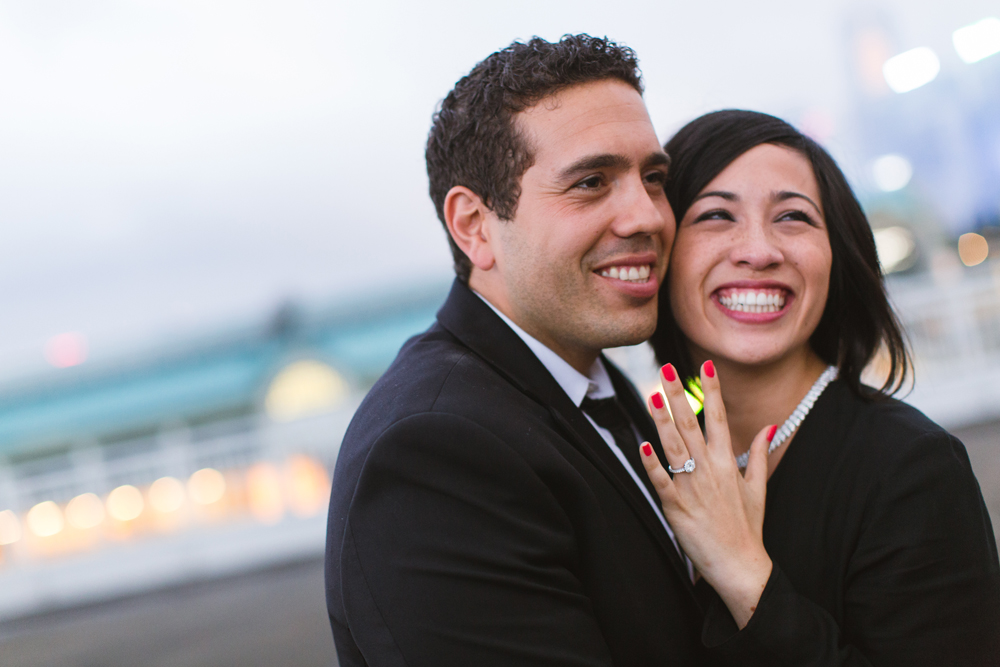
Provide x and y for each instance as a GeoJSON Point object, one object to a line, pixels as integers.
{"type": "Point", "coordinates": [759, 395]}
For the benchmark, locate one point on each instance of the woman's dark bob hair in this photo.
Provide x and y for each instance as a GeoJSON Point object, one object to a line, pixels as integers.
{"type": "Point", "coordinates": [858, 319]}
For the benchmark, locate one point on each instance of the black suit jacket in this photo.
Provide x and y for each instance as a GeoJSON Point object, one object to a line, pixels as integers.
{"type": "Point", "coordinates": [883, 549]}
{"type": "Point", "coordinates": [478, 519]}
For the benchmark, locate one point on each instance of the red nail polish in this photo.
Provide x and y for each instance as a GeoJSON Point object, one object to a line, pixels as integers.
{"type": "Point", "coordinates": [771, 431]}
{"type": "Point", "coordinates": [647, 449]}
{"type": "Point", "coordinates": [710, 369]}
{"type": "Point", "coordinates": [668, 373]}
{"type": "Point", "coordinates": [657, 400]}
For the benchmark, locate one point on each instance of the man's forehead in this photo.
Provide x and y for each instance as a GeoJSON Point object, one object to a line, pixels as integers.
{"type": "Point", "coordinates": [580, 119]}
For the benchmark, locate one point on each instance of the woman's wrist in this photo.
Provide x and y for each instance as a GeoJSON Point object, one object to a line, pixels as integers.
{"type": "Point", "coordinates": [741, 586]}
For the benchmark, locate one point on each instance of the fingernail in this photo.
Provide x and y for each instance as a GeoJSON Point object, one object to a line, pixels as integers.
{"type": "Point", "coordinates": [647, 449]}
{"type": "Point", "coordinates": [771, 431]}
{"type": "Point", "coordinates": [657, 400]}
{"type": "Point", "coordinates": [710, 369]}
{"type": "Point", "coordinates": [668, 373]}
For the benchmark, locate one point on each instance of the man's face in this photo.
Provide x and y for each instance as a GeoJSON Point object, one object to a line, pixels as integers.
{"type": "Point", "coordinates": [584, 256]}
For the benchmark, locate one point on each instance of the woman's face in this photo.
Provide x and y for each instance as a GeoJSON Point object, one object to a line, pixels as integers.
{"type": "Point", "coordinates": [750, 269]}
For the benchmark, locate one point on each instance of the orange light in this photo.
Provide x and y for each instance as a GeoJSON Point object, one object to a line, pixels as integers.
{"type": "Point", "coordinates": [166, 495]}
{"type": "Point", "coordinates": [309, 490]}
{"type": "Point", "coordinates": [85, 511]}
{"type": "Point", "coordinates": [264, 493]}
{"type": "Point", "coordinates": [125, 503]}
{"type": "Point", "coordinates": [206, 486]}
{"type": "Point", "coordinates": [45, 519]}
{"type": "Point", "coordinates": [973, 249]}
{"type": "Point", "coordinates": [10, 528]}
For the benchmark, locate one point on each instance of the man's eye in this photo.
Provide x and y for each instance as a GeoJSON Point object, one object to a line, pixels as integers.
{"type": "Point", "coordinates": [589, 183]}
{"type": "Point", "coordinates": [657, 177]}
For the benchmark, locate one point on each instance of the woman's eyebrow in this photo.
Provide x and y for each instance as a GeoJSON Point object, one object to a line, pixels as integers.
{"type": "Point", "coordinates": [786, 194]}
{"type": "Point", "coordinates": [728, 196]}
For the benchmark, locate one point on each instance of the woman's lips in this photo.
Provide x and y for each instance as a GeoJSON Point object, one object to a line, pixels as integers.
{"type": "Point", "coordinates": [753, 305]}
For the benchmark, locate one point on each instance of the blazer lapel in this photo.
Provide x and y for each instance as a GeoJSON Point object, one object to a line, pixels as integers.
{"type": "Point", "coordinates": [474, 323]}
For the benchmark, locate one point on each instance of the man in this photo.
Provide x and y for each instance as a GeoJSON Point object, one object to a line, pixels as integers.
{"type": "Point", "coordinates": [479, 516]}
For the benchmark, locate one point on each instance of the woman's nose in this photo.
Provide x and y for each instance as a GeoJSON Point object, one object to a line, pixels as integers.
{"type": "Point", "coordinates": [755, 248]}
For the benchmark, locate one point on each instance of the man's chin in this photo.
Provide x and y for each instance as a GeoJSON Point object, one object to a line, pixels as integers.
{"type": "Point", "coordinates": [628, 330]}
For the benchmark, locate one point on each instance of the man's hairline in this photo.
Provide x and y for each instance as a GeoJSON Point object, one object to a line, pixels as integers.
{"type": "Point", "coordinates": [521, 133]}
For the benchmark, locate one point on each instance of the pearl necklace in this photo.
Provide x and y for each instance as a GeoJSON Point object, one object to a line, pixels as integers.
{"type": "Point", "coordinates": [799, 414]}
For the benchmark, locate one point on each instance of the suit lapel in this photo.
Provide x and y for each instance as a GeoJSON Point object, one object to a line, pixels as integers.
{"type": "Point", "coordinates": [474, 323]}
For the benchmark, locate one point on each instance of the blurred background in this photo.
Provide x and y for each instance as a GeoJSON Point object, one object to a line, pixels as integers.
{"type": "Point", "coordinates": [215, 235]}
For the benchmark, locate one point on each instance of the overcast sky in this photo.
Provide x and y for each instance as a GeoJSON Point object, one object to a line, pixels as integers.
{"type": "Point", "coordinates": [169, 168]}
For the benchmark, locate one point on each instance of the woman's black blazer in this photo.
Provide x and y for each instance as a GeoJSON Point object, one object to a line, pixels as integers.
{"type": "Point", "coordinates": [883, 549]}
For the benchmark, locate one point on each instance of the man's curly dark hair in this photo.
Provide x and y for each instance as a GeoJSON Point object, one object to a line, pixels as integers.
{"type": "Point", "coordinates": [474, 141]}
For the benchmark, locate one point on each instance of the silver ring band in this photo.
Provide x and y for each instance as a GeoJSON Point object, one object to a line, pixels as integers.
{"type": "Point", "coordinates": [687, 467]}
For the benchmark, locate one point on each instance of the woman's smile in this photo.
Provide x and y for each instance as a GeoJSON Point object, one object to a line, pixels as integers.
{"type": "Point", "coordinates": [753, 301]}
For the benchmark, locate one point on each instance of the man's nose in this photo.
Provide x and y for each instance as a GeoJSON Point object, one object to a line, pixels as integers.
{"type": "Point", "coordinates": [639, 213]}
{"type": "Point", "coordinates": [755, 246]}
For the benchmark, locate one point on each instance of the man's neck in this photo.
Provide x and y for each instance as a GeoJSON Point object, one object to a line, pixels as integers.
{"type": "Point", "coordinates": [580, 359]}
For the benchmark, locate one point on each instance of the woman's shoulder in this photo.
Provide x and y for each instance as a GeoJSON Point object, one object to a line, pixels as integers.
{"type": "Point", "coordinates": [894, 434]}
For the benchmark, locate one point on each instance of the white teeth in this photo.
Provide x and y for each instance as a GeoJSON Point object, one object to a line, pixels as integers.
{"type": "Point", "coordinates": [636, 274]}
{"type": "Point", "coordinates": [752, 302]}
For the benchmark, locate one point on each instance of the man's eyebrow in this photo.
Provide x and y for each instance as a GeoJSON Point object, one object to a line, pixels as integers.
{"type": "Point", "coordinates": [657, 160]}
{"type": "Point", "coordinates": [592, 162]}
{"type": "Point", "coordinates": [787, 194]}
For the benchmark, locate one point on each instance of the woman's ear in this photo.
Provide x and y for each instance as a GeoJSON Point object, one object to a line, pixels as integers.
{"type": "Point", "coordinates": [468, 218]}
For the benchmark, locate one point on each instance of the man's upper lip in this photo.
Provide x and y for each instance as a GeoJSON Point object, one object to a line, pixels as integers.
{"type": "Point", "coordinates": [754, 284]}
{"type": "Point", "coordinates": [641, 259]}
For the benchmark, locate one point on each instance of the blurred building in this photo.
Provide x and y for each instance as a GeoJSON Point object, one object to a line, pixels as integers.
{"type": "Point", "coordinates": [188, 463]}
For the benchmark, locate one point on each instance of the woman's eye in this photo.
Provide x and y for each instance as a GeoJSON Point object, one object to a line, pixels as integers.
{"type": "Point", "coordinates": [800, 216]}
{"type": "Point", "coordinates": [716, 214]}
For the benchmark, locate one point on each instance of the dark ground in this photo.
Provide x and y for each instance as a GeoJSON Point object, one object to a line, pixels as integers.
{"type": "Point", "coordinates": [275, 617]}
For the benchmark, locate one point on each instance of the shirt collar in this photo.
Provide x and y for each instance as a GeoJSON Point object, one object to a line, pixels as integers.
{"type": "Point", "coordinates": [597, 382]}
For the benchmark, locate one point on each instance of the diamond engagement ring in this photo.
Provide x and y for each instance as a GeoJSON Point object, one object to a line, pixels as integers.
{"type": "Point", "coordinates": [687, 467]}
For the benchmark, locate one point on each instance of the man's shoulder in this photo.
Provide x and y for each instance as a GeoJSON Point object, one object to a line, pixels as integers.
{"type": "Point", "coordinates": [435, 373]}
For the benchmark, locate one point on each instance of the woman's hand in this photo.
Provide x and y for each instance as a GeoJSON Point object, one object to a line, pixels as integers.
{"type": "Point", "coordinates": [716, 513]}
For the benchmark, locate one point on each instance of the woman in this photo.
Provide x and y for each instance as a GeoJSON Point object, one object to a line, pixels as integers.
{"type": "Point", "coordinates": [875, 547]}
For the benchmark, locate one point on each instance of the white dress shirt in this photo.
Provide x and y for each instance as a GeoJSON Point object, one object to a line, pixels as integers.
{"type": "Point", "coordinates": [596, 384]}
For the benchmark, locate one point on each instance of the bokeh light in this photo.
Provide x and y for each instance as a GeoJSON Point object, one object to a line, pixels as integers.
{"type": "Point", "coordinates": [304, 388]}
{"type": "Point", "coordinates": [166, 495]}
{"type": "Point", "coordinates": [309, 489]}
{"type": "Point", "coordinates": [85, 511]}
{"type": "Point", "coordinates": [892, 172]}
{"type": "Point", "coordinates": [125, 503]}
{"type": "Point", "coordinates": [66, 349]}
{"type": "Point", "coordinates": [264, 497]}
{"type": "Point", "coordinates": [895, 246]}
{"type": "Point", "coordinates": [45, 519]}
{"type": "Point", "coordinates": [911, 70]}
{"type": "Point", "coordinates": [977, 41]}
{"type": "Point", "coordinates": [206, 486]}
{"type": "Point", "coordinates": [10, 528]}
{"type": "Point", "coordinates": [973, 249]}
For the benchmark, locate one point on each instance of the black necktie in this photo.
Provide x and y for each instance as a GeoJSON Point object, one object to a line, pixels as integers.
{"type": "Point", "coordinates": [609, 414]}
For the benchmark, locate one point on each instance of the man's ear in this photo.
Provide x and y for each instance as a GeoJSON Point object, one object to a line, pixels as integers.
{"type": "Point", "coordinates": [467, 218]}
